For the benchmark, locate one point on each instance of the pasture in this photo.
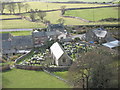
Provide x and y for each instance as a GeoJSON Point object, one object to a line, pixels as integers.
{"type": "Point", "coordinates": [12, 24]}
{"type": "Point", "coordinates": [17, 78]}
{"type": "Point", "coordinates": [19, 33]}
{"type": "Point", "coordinates": [81, 0]}
{"type": "Point", "coordinates": [94, 14]}
{"type": "Point", "coordinates": [50, 6]}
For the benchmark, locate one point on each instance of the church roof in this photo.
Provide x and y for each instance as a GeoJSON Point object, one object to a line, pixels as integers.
{"type": "Point", "coordinates": [57, 50]}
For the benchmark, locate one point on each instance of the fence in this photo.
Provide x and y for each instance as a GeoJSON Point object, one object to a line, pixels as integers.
{"type": "Point", "coordinates": [41, 68]}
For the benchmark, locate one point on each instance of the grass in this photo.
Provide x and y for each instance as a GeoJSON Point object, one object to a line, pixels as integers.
{"type": "Point", "coordinates": [50, 6]}
{"type": "Point", "coordinates": [63, 75]}
{"type": "Point", "coordinates": [17, 78]}
{"type": "Point", "coordinates": [13, 24]}
{"type": "Point", "coordinates": [81, 0]}
{"type": "Point", "coordinates": [19, 33]}
{"type": "Point", "coordinates": [94, 14]}
{"type": "Point", "coordinates": [8, 16]}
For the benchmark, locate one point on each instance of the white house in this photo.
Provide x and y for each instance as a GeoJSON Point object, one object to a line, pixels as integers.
{"type": "Point", "coordinates": [60, 57]}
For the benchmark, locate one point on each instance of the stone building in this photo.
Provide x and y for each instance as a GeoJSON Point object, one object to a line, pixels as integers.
{"type": "Point", "coordinates": [60, 57]}
{"type": "Point", "coordinates": [99, 35]}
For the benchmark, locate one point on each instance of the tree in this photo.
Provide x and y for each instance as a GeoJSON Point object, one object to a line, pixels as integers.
{"type": "Point", "coordinates": [93, 69]}
{"type": "Point", "coordinates": [20, 6]}
{"type": "Point", "coordinates": [11, 8]}
{"type": "Point", "coordinates": [41, 15]}
{"type": "Point", "coordinates": [26, 6]}
{"type": "Point", "coordinates": [61, 21]}
{"type": "Point", "coordinates": [63, 9]}
{"type": "Point", "coordinates": [2, 7]}
{"type": "Point", "coordinates": [32, 15]}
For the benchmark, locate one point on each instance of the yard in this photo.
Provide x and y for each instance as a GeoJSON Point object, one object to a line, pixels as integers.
{"type": "Point", "coordinates": [17, 78]}
{"type": "Point", "coordinates": [94, 14]}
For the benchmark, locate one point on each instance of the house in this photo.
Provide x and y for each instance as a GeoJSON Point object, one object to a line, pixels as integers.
{"type": "Point", "coordinates": [22, 42]}
{"type": "Point", "coordinates": [99, 35]}
{"type": "Point", "coordinates": [60, 57]}
{"type": "Point", "coordinates": [10, 45]}
{"type": "Point", "coordinates": [5, 44]}
{"type": "Point", "coordinates": [40, 37]}
{"type": "Point", "coordinates": [55, 27]}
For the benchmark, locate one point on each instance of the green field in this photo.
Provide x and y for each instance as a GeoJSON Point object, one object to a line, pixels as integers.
{"type": "Point", "coordinates": [81, 0]}
{"type": "Point", "coordinates": [50, 6]}
{"type": "Point", "coordinates": [63, 75]}
{"type": "Point", "coordinates": [94, 14]}
{"type": "Point", "coordinates": [19, 33]}
{"type": "Point", "coordinates": [11, 24]}
{"type": "Point", "coordinates": [17, 78]}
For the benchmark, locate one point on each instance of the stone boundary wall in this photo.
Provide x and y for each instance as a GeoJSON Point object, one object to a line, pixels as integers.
{"type": "Point", "coordinates": [4, 68]}
{"type": "Point", "coordinates": [42, 68]}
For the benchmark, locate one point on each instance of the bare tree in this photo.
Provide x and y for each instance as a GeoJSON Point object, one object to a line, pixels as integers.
{"type": "Point", "coordinates": [2, 7]}
{"type": "Point", "coordinates": [41, 15]}
{"type": "Point", "coordinates": [61, 21]}
{"type": "Point", "coordinates": [92, 70]}
{"type": "Point", "coordinates": [26, 6]}
{"type": "Point", "coordinates": [32, 15]}
{"type": "Point", "coordinates": [11, 7]}
{"type": "Point", "coordinates": [20, 6]}
{"type": "Point", "coordinates": [63, 9]}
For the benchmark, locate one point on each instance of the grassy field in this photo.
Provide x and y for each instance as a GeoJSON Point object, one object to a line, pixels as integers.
{"type": "Point", "coordinates": [94, 14]}
{"type": "Point", "coordinates": [17, 78]}
{"type": "Point", "coordinates": [63, 75]}
{"type": "Point", "coordinates": [50, 6]}
{"type": "Point", "coordinates": [81, 0]}
{"type": "Point", "coordinates": [11, 24]}
{"type": "Point", "coordinates": [19, 33]}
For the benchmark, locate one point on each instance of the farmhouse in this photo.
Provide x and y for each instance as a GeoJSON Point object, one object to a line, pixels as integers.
{"type": "Point", "coordinates": [59, 55]}
{"type": "Point", "coordinates": [99, 35]}
{"type": "Point", "coordinates": [12, 44]}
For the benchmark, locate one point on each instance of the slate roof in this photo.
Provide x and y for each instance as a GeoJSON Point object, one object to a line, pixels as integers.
{"type": "Point", "coordinates": [51, 33]}
{"type": "Point", "coordinates": [100, 32]}
{"type": "Point", "coordinates": [19, 41]}
{"type": "Point", "coordinates": [5, 36]}
{"type": "Point", "coordinates": [55, 26]}
{"type": "Point", "coordinates": [112, 44]}
{"type": "Point", "coordinates": [39, 34]}
{"type": "Point", "coordinates": [46, 33]}
{"type": "Point", "coordinates": [57, 50]}
{"type": "Point", "coordinates": [5, 45]}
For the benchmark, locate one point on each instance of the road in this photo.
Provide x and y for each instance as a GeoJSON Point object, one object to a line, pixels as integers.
{"type": "Point", "coordinates": [8, 30]}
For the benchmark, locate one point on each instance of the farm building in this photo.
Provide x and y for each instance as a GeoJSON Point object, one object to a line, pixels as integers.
{"type": "Point", "coordinates": [56, 27]}
{"type": "Point", "coordinates": [99, 35]}
{"type": "Point", "coordinates": [12, 44]}
{"type": "Point", "coordinates": [60, 57]}
{"type": "Point", "coordinates": [40, 37]}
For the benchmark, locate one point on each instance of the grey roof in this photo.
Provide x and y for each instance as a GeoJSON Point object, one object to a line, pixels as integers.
{"type": "Point", "coordinates": [5, 45]}
{"type": "Point", "coordinates": [112, 44]}
{"type": "Point", "coordinates": [51, 33]}
{"type": "Point", "coordinates": [55, 26]}
{"type": "Point", "coordinates": [46, 33]}
{"type": "Point", "coordinates": [39, 34]}
{"type": "Point", "coordinates": [5, 36]}
{"type": "Point", "coordinates": [100, 32]}
{"type": "Point", "coordinates": [22, 41]}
